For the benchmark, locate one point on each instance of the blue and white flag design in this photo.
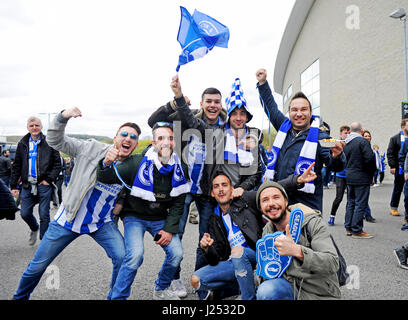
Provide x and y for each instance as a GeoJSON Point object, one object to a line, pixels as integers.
{"type": "Point", "coordinates": [196, 159]}
{"type": "Point", "coordinates": [235, 236]}
{"type": "Point", "coordinates": [32, 157]}
{"type": "Point", "coordinates": [143, 183]}
{"type": "Point", "coordinates": [236, 97]}
{"type": "Point", "coordinates": [95, 209]}
{"type": "Point", "coordinates": [402, 137]}
{"type": "Point", "coordinates": [306, 157]}
{"type": "Point", "coordinates": [199, 34]}
{"type": "Point", "coordinates": [270, 264]}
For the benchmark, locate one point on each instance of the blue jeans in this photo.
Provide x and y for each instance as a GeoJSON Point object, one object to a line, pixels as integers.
{"type": "Point", "coordinates": [406, 201]}
{"type": "Point", "coordinates": [357, 202]}
{"type": "Point", "coordinates": [55, 240]}
{"type": "Point", "coordinates": [135, 229]}
{"type": "Point", "coordinates": [230, 274]}
{"type": "Point", "coordinates": [367, 212]}
{"type": "Point", "coordinates": [205, 208]}
{"type": "Point", "coordinates": [28, 201]}
{"type": "Point", "coordinates": [275, 289]}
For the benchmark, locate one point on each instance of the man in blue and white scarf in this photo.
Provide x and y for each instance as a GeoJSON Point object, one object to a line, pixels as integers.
{"type": "Point", "coordinates": [36, 165]}
{"type": "Point", "coordinates": [154, 203]}
{"type": "Point", "coordinates": [296, 145]}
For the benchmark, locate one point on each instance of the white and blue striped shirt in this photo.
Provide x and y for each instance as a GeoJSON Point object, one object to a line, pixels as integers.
{"type": "Point", "coordinates": [95, 209]}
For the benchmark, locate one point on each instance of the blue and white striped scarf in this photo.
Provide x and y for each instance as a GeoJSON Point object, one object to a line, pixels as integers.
{"type": "Point", "coordinates": [402, 137]}
{"type": "Point", "coordinates": [196, 154]}
{"type": "Point", "coordinates": [232, 154]}
{"type": "Point", "coordinates": [143, 183]}
{"type": "Point", "coordinates": [32, 157]}
{"type": "Point", "coordinates": [306, 157]}
{"type": "Point", "coordinates": [196, 159]}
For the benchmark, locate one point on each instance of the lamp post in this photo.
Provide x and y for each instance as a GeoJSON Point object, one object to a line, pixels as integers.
{"type": "Point", "coordinates": [401, 14]}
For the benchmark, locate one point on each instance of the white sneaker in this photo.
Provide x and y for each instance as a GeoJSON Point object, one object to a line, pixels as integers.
{"type": "Point", "coordinates": [164, 295]}
{"type": "Point", "coordinates": [177, 286]}
{"type": "Point", "coordinates": [33, 237]}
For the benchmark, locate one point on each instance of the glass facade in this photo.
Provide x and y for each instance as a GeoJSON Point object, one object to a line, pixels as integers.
{"type": "Point", "coordinates": [310, 85]}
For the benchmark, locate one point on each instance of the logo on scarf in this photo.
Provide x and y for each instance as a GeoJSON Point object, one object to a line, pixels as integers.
{"type": "Point", "coordinates": [273, 158]}
{"type": "Point", "coordinates": [302, 166]}
{"type": "Point", "coordinates": [144, 174]}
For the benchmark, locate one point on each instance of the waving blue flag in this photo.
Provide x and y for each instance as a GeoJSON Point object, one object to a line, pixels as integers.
{"type": "Point", "coordinates": [198, 34]}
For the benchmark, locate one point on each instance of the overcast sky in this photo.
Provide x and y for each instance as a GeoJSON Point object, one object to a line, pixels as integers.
{"type": "Point", "coordinates": [114, 59]}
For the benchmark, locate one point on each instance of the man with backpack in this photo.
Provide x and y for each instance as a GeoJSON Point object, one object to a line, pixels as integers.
{"type": "Point", "coordinates": [313, 271]}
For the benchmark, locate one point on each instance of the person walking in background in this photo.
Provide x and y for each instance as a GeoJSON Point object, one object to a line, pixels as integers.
{"type": "Point", "coordinates": [341, 184]}
{"type": "Point", "coordinates": [5, 167]}
{"type": "Point", "coordinates": [37, 165]}
{"type": "Point", "coordinates": [58, 183]}
{"type": "Point", "coordinates": [367, 212]}
{"type": "Point", "coordinates": [382, 168]}
{"type": "Point", "coordinates": [359, 174]}
{"type": "Point", "coordinates": [69, 167]}
{"type": "Point", "coordinates": [394, 146]}
{"type": "Point", "coordinates": [376, 149]}
{"type": "Point", "coordinates": [403, 160]}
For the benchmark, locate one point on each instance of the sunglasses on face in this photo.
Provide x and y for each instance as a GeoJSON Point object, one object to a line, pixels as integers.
{"type": "Point", "coordinates": [132, 135]}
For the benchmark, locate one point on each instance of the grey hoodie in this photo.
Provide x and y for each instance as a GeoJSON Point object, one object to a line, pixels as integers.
{"type": "Point", "coordinates": [352, 136]}
{"type": "Point", "coordinates": [87, 154]}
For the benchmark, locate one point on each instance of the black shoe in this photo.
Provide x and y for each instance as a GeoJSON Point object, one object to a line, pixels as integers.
{"type": "Point", "coordinates": [401, 255]}
{"type": "Point", "coordinates": [370, 219]}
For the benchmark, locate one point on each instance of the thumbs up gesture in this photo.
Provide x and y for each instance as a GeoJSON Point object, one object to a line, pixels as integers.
{"type": "Point", "coordinates": [111, 156]}
{"type": "Point", "coordinates": [287, 247]}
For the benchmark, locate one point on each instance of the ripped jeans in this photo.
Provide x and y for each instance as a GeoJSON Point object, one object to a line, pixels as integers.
{"type": "Point", "coordinates": [236, 271]}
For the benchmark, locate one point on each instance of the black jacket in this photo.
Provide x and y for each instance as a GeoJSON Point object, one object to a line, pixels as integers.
{"type": "Point", "coordinates": [5, 166]}
{"type": "Point", "coordinates": [48, 162]}
{"type": "Point", "coordinates": [360, 161]}
{"type": "Point", "coordinates": [169, 113]}
{"type": "Point", "coordinates": [247, 181]}
{"type": "Point", "coordinates": [392, 151]}
{"type": "Point", "coordinates": [8, 206]}
{"type": "Point", "coordinates": [244, 213]}
{"type": "Point", "coordinates": [165, 207]}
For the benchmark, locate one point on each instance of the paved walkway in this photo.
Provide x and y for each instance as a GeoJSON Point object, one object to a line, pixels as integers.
{"type": "Point", "coordinates": [83, 271]}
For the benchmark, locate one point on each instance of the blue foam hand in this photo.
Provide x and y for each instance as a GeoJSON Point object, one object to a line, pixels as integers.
{"type": "Point", "coordinates": [295, 223]}
{"type": "Point", "coordinates": [270, 264]}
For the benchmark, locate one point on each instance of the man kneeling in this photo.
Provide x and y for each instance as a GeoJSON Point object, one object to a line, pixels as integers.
{"type": "Point", "coordinates": [312, 274]}
{"type": "Point", "coordinates": [229, 247]}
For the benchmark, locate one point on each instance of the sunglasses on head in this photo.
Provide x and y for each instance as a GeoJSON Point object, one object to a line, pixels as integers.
{"type": "Point", "coordinates": [162, 124]}
{"type": "Point", "coordinates": [132, 135]}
